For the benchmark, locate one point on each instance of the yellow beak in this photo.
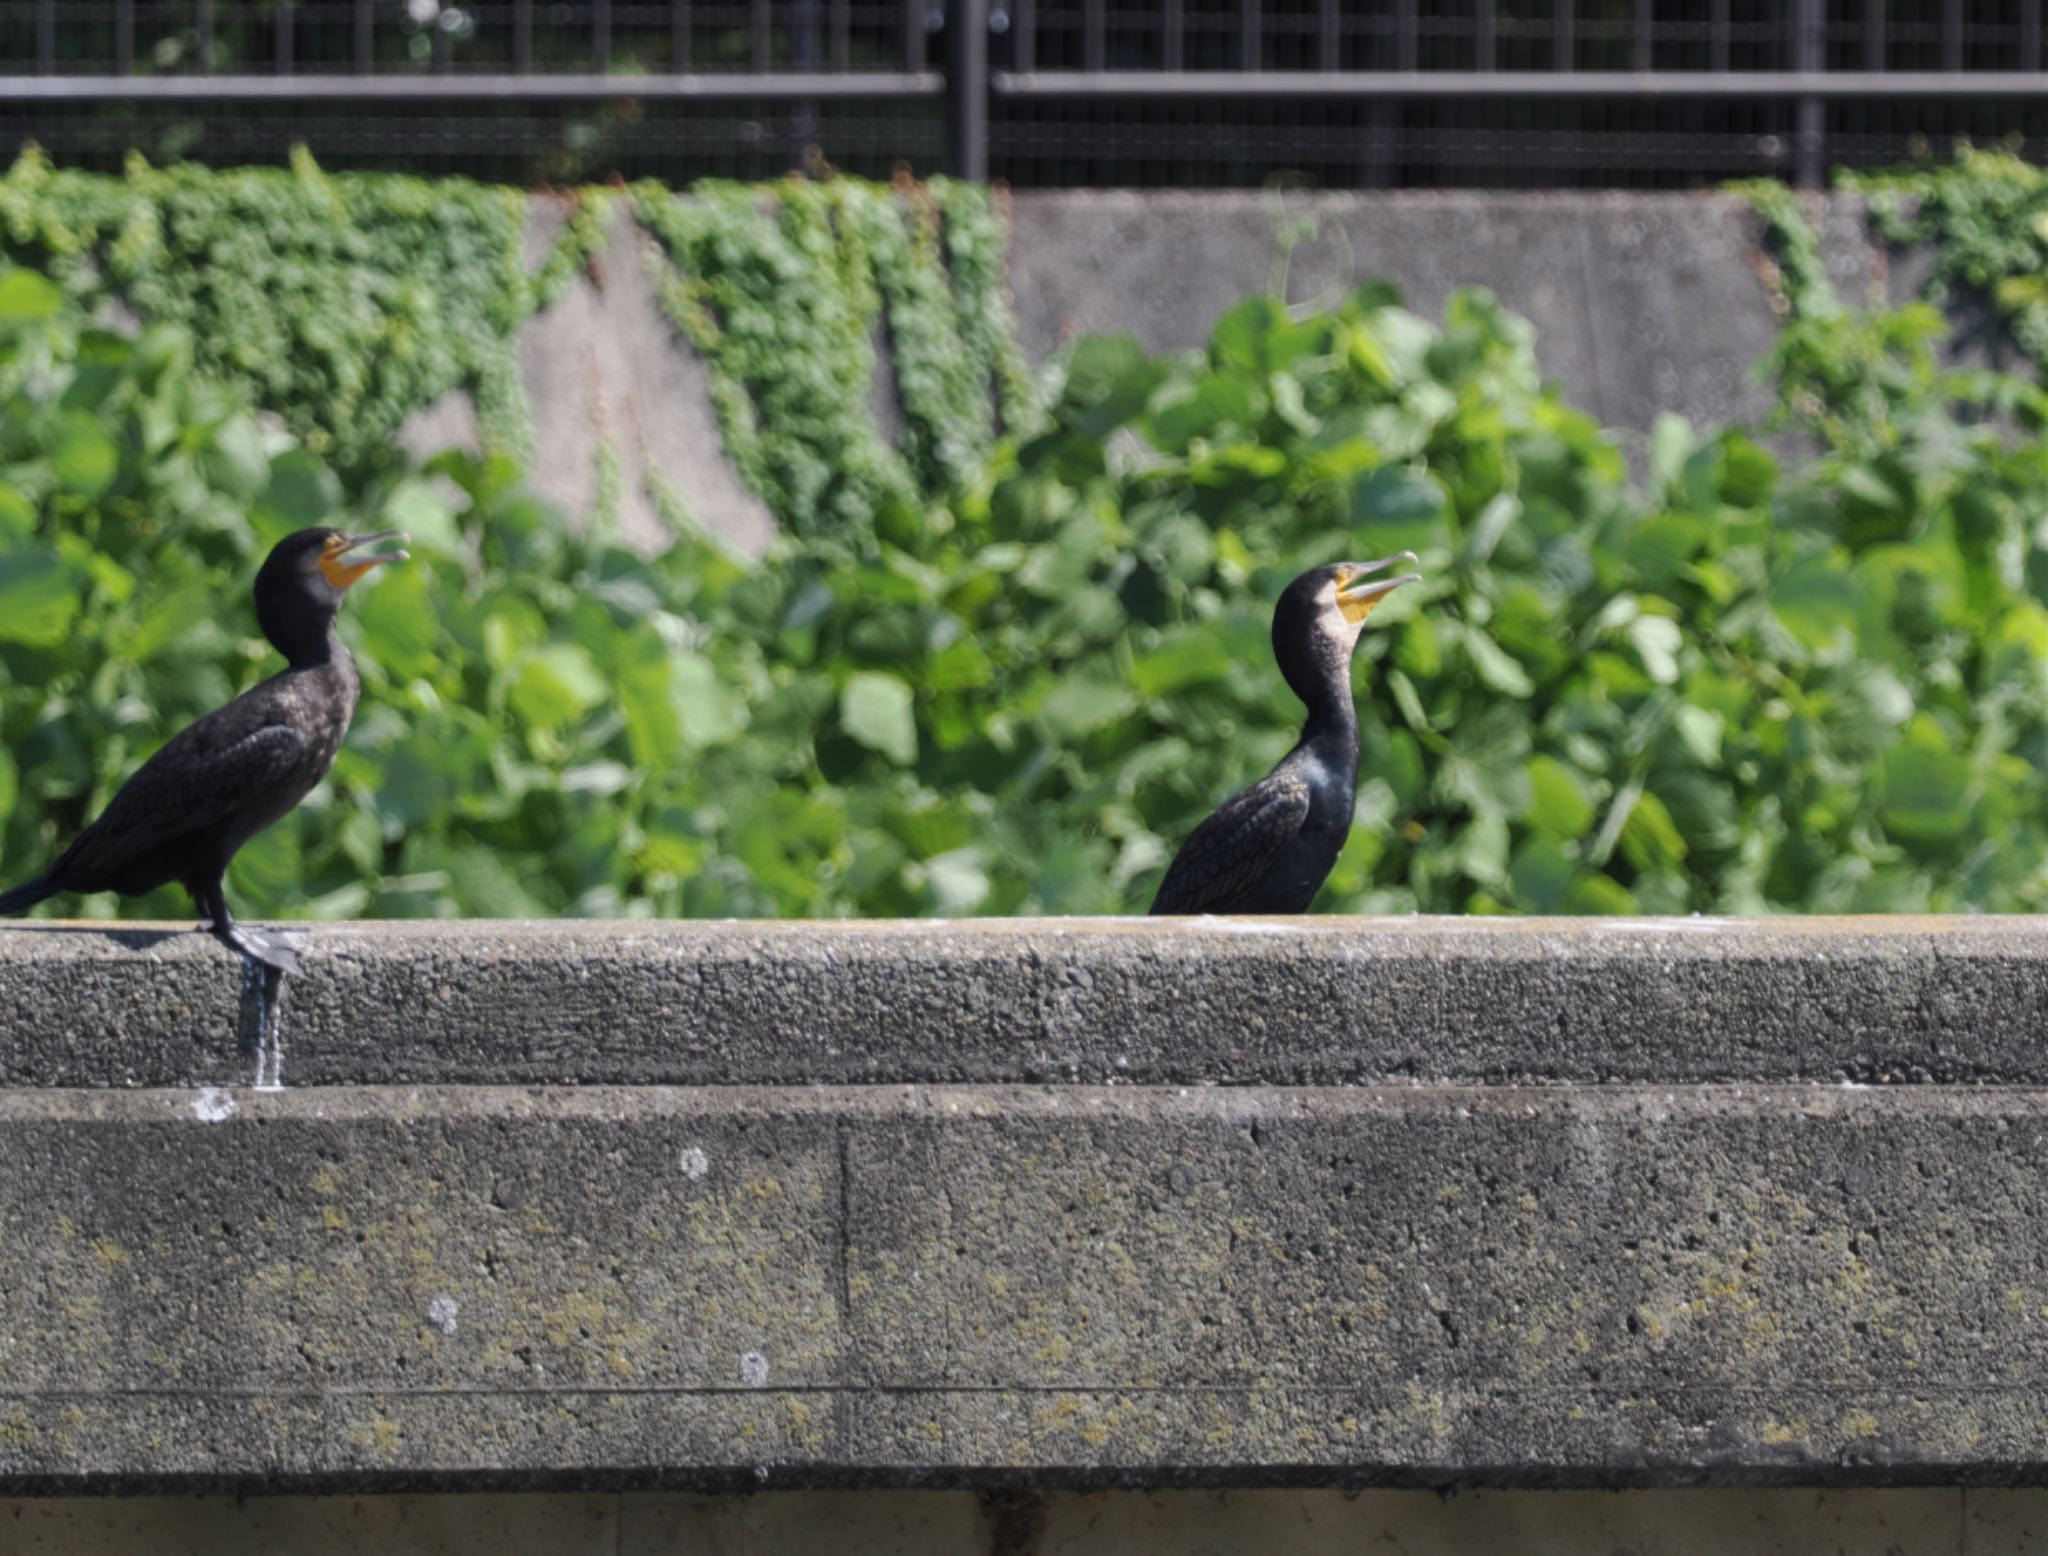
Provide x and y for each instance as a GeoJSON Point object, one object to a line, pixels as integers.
{"type": "Point", "coordinates": [342, 573]}
{"type": "Point", "coordinates": [1360, 590]}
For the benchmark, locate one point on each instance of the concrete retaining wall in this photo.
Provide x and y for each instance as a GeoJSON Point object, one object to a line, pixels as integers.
{"type": "Point", "coordinates": [1643, 304]}
{"type": "Point", "coordinates": [1622, 1203]}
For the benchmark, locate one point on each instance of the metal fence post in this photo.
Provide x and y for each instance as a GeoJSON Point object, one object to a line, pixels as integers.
{"type": "Point", "coordinates": [967, 89]}
{"type": "Point", "coordinates": [1809, 56]}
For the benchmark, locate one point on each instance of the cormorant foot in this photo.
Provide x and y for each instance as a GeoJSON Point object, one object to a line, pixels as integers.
{"type": "Point", "coordinates": [271, 950]}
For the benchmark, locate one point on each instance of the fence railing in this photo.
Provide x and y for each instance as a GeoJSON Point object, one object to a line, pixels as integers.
{"type": "Point", "coordinates": [988, 63]}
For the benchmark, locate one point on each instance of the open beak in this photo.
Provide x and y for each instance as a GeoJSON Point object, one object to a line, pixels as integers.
{"type": "Point", "coordinates": [341, 571]}
{"type": "Point", "coordinates": [1361, 590]}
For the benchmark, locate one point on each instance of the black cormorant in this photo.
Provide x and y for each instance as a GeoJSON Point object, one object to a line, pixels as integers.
{"type": "Point", "coordinates": [1269, 849]}
{"type": "Point", "coordinates": [220, 781]}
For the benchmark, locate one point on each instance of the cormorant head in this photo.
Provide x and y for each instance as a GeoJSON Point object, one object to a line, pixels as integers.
{"type": "Point", "coordinates": [300, 585]}
{"type": "Point", "coordinates": [1319, 618]}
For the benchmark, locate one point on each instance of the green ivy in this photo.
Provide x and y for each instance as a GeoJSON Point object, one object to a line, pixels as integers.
{"type": "Point", "coordinates": [783, 289]}
{"type": "Point", "coordinates": [758, 282]}
{"type": "Point", "coordinates": [1984, 219]}
{"type": "Point", "coordinates": [345, 304]}
{"type": "Point", "coordinates": [342, 303]}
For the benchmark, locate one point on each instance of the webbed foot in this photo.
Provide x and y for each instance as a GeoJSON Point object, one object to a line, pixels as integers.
{"type": "Point", "coordinates": [272, 950]}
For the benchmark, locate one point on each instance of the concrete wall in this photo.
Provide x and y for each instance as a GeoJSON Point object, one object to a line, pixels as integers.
{"type": "Point", "coordinates": [1643, 304]}
{"type": "Point", "coordinates": [717, 1207]}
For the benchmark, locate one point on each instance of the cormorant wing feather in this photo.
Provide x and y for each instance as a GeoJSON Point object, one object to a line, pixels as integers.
{"type": "Point", "coordinates": [1228, 853]}
{"type": "Point", "coordinates": [202, 775]}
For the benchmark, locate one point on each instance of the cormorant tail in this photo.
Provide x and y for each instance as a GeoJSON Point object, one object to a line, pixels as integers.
{"type": "Point", "coordinates": [29, 893]}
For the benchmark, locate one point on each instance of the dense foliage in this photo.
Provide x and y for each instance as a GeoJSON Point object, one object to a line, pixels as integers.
{"type": "Point", "coordinates": [783, 289]}
{"type": "Point", "coordinates": [1984, 221]}
{"type": "Point", "coordinates": [341, 303]}
{"type": "Point", "coordinates": [1011, 682]}
{"type": "Point", "coordinates": [344, 304]}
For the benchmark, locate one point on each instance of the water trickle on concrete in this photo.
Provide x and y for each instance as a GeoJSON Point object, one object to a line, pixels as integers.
{"type": "Point", "coordinates": [261, 1027]}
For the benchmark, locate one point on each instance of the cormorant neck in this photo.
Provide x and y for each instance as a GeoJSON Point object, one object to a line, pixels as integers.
{"type": "Point", "coordinates": [307, 641]}
{"type": "Point", "coordinates": [1319, 671]}
{"type": "Point", "coordinates": [1337, 716]}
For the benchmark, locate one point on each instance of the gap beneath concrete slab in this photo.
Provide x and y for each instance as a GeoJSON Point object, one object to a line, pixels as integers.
{"type": "Point", "coordinates": [1238, 1523]}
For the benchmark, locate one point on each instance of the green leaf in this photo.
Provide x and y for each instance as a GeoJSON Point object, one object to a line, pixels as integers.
{"type": "Point", "coordinates": [17, 513]}
{"type": "Point", "coordinates": [1926, 794]}
{"type": "Point", "coordinates": [169, 621]}
{"type": "Point", "coordinates": [1598, 896]}
{"type": "Point", "coordinates": [1214, 402]}
{"type": "Point", "coordinates": [85, 455]}
{"type": "Point", "coordinates": [958, 881]}
{"type": "Point", "coordinates": [712, 712]}
{"type": "Point", "coordinates": [1701, 732]}
{"type": "Point", "coordinates": [1671, 445]}
{"type": "Point", "coordinates": [301, 490]}
{"type": "Point", "coordinates": [1817, 601]}
{"type": "Point", "coordinates": [1407, 700]}
{"type": "Point", "coordinates": [1495, 666]}
{"type": "Point", "coordinates": [1078, 705]}
{"type": "Point", "coordinates": [654, 722]}
{"type": "Point", "coordinates": [234, 460]}
{"type": "Point", "coordinates": [1559, 801]}
{"type": "Point", "coordinates": [38, 596]}
{"type": "Point", "coordinates": [400, 621]}
{"type": "Point", "coordinates": [1257, 337]}
{"type": "Point", "coordinates": [555, 684]}
{"type": "Point", "coordinates": [1541, 873]}
{"type": "Point", "coordinates": [1397, 510]}
{"type": "Point", "coordinates": [26, 297]}
{"type": "Point", "coordinates": [1649, 837]}
{"type": "Point", "coordinates": [1657, 641]}
{"type": "Point", "coordinates": [1186, 656]}
{"type": "Point", "coordinates": [875, 709]}
{"type": "Point", "coordinates": [1480, 851]}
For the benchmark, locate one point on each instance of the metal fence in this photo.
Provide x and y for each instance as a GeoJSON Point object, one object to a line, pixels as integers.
{"type": "Point", "coordinates": [1335, 92]}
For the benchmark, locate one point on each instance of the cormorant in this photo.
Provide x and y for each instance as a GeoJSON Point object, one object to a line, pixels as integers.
{"type": "Point", "coordinates": [1269, 849]}
{"type": "Point", "coordinates": [220, 781]}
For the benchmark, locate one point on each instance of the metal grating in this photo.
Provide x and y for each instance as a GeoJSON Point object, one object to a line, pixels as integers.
{"type": "Point", "coordinates": [1041, 92]}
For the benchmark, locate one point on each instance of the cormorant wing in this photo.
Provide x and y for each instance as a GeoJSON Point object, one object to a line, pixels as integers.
{"type": "Point", "coordinates": [1228, 853]}
{"type": "Point", "coordinates": [205, 773]}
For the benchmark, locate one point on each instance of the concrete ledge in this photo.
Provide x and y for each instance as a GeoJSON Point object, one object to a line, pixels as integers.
{"type": "Point", "coordinates": [1682, 1275]}
{"type": "Point", "coordinates": [1312, 1001]}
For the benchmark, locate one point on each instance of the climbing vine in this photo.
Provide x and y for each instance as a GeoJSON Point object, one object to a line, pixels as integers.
{"type": "Point", "coordinates": [1984, 219]}
{"type": "Point", "coordinates": [1859, 378]}
{"type": "Point", "coordinates": [340, 302]}
{"type": "Point", "coordinates": [784, 290]}
{"type": "Point", "coordinates": [345, 303]}
{"type": "Point", "coordinates": [974, 233]}
{"type": "Point", "coordinates": [1799, 275]}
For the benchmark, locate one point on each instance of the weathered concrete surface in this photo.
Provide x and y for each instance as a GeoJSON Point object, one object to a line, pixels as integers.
{"type": "Point", "coordinates": [1643, 303]}
{"type": "Point", "coordinates": [1312, 1001]}
{"type": "Point", "coordinates": [621, 405]}
{"type": "Point", "coordinates": [362, 1287]}
{"type": "Point", "coordinates": [1029, 1204]}
{"type": "Point", "coordinates": [1974, 1522]}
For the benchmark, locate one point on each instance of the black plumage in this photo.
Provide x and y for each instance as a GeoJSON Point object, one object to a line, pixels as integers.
{"type": "Point", "coordinates": [1269, 849]}
{"type": "Point", "coordinates": [214, 785]}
